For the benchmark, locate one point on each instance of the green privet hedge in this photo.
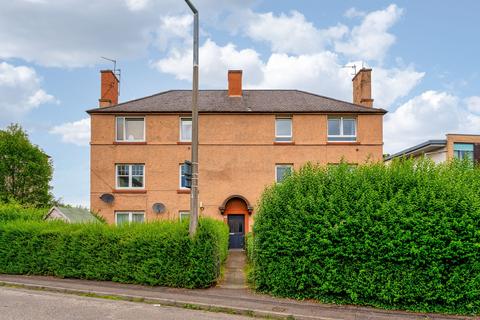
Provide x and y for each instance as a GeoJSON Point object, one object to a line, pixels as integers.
{"type": "Point", "coordinates": [15, 211]}
{"type": "Point", "coordinates": [401, 236]}
{"type": "Point", "coordinates": [160, 253]}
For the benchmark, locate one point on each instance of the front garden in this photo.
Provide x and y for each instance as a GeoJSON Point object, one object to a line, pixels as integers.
{"type": "Point", "coordinates": [403, 236]}
{"type": "Point", "coordinates": [159, 253]}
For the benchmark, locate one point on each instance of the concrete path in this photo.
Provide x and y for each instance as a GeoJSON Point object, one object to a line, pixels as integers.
{"type": "Point", "coordinates": [234, 274]}
{"type": "Point", "coordinates": [231, 301]}
{"type": "Point", "coordinates": [19, 304]}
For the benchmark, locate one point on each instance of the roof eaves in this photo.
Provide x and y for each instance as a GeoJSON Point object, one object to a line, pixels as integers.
{"type": "Point", "coordinates": [428, 143]}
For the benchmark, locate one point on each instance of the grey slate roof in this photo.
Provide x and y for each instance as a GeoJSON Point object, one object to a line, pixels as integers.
{"type": "Point", "coordinates": [252, 101]}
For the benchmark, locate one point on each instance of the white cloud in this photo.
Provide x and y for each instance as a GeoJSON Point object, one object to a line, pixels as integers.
{"type": "Point", "coordinates": [354, 12]}
{"type": "Point", "coordinates": [20, 91]}
{"type": "Point", "coordinates": [388, 85]}
{"type": "Point", "coordinates": [371, 39]}
{"type": "Point", "coordinates": [174, 27]}
{"type": "Point", "coordinates": [321, 72]}
{"type": "Point", "coordinates": [291, 33]}
{"type": "Point", "coordinates": [215, 60]}
{"type": "Point", "coordinates": [76, 33]}
{"type": "Point", "coordinates": [136, 5]}
{"type": "Point", "coordinates": [429, 115]}
{"type": "Point", "coordinates": [473, 104]}
{"type": "Point", "coordinates": [77, 132]}
{"type": "Point", "coordinates": [40, 97]}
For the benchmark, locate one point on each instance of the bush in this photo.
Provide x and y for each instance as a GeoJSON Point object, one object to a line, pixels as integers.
{"type": "Point", "coordinates": [14, 211]}
{"type": "Point", "coordinates": [400, 236]}
{"type": "Point", "coordinates": [160, 253]}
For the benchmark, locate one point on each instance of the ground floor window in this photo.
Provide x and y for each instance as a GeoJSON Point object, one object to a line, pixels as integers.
{"type": "Point", "coordinates": [129, 217]}
{"type": "Point", "coordinates": [282, 171]}
{"type": "Point", "coordinates": [184, 215]}
{"type": "Point", "coordinates": [463, 151]}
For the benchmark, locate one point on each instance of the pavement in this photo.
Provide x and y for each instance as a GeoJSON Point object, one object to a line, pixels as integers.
{"type": "Point", "coordinates": [20, 304]}
{"type": "Point", "coordinates": [230, 296]}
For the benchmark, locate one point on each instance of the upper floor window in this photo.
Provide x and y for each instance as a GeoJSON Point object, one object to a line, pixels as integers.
{"type": "Point", "coordinates": [283, 129]}
{"type": "Point", "coordinates": [130, 129]}
{"type": "Point", "coordinates": [282, 171]}
{"type": "Point", "coordinates": [182, 178]}
{"type": "Point", "coordinates": [342, 129]}
{"type": "Point", "coordinates": [463, 151]}
{"type": "Point", "coordinates": [130, 176]}
{"type": "Point", "coordinates": [129, 217]}
{"type": "Point", "coordinates": [186, 129]}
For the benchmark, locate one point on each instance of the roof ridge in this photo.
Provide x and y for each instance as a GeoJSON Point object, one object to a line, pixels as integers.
{"type": "Point", "coordinates": [338, 100]}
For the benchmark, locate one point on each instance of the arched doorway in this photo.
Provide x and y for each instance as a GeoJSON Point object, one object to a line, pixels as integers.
{"type": "Point", "coordinates": [236, 210]}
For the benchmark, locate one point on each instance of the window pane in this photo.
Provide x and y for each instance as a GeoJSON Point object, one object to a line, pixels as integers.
{"type": "Point", "coordinates": [183, 178]}
{"type": "Point", "coordinates": [120, 129]}
{"type": "Point", "coordinates": [122, 170]}
{"type": "Point", "coordinates": [122, 218]}
{"type": "Point", "coordinates": [184, 215]}
{"type": "Point", "coordinates": [282, 172]}
{"type": "Point", "coordinates": [341, 138]}
{"type": "Point", "coordinates": [463, 147]}
{"type": "Point", "coordinates": [333, 127]}
{"type": "Point", "coordinates": [348, 127]}
{"type": "Point", "coordinates": [138, 217]}
{"type": "Point", "coordinates": [137, 169]}
{"type": "Point", "coordinates": [134, 129]}
{"type": "Point", "coordinates": [137, 182]}
{"type": "Point", "coordinates": [122, 182]}
{"type": "Point", "coordinates": [186, 129]}
{"type": "Point", "coordinates": [283, 127]}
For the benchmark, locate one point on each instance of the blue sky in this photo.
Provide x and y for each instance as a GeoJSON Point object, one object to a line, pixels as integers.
{"type": "Point", "coordinates": [423, 55]}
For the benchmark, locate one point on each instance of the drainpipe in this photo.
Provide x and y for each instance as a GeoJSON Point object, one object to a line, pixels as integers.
{"type": "Point", "coordinates": [194, 190]}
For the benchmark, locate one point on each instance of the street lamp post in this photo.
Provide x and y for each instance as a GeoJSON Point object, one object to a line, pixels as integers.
{"type": "Point", "coordinates": [194, 188]}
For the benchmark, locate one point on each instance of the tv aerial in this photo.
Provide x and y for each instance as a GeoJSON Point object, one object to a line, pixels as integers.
{"type": "Point", "coordinates": [116, 72]}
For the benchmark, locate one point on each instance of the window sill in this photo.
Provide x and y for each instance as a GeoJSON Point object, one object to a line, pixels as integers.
{"type": "Point", "coordinates": [129, 191]}
{"type": "Point", "coordinates": [184, 142]}
{"type": "Point", "coordinates": [344, 143]}
{"type": "Point", "coordinates": [130, 142]}
{"type": "Point", "coordinates": [284, 142]}
{"type": "Point", "coordinates": [183, 191]}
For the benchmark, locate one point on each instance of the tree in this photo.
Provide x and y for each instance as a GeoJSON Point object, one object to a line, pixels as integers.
{"type": "Point", "coordinates": [25, 170]}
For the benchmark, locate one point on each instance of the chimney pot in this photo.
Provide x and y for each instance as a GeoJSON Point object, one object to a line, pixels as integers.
{"type": "Point", "coordinates": [234, 83]}
{"type": "Point", "coordinates": [362, 88]}
{"type": "Point", "coordinates": [108, 89]}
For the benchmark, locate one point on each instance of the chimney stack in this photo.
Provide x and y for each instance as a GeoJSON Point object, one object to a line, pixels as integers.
{"type": "Point", "coordinates": [234, 83]}
{"type": "Point", "coordinates": [362, 88]}
{"type": "Point", "coordinates": [108, 89]}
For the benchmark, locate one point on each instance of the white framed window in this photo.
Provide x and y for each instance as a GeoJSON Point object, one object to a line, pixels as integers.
{"type": "Point", "coordinates": [186, 129]}
{"type": "Point", "coordinates": [129, 217]}
{"type": "Point", "coordinates": [130, 176]}
{"type": "Point", "coordinates": [130, 129]}
{"type": "Point", "coordinates": [283, 129]}
{"type": "Point", "coordinates": [282, 171]}
{"type": "Point", "coordinates": [184, 215]}
{"type": "Point", "coordinates": [342, 129]}
{"type": "Point", "coordinates": [182, 183]}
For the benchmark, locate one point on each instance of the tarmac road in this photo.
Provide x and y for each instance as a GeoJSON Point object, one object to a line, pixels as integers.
{"type": "Point", "coordinates": [19, 304]}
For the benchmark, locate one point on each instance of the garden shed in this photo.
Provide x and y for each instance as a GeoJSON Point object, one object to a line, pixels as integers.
{"type": "Point", "coordinates": [70, 215]}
